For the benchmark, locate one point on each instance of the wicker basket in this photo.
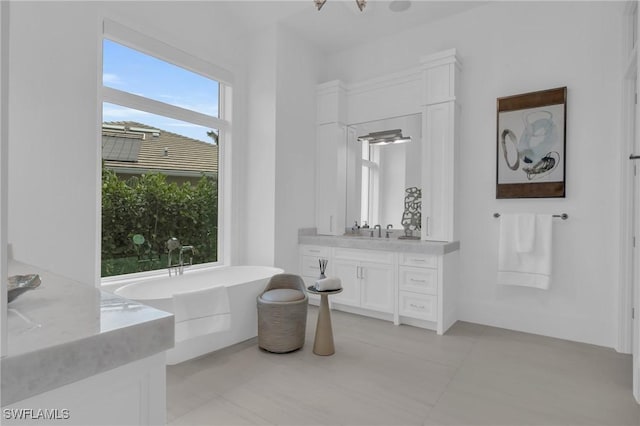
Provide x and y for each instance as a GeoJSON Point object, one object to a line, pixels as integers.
{"type": "Point", "coordinates": [282, 325]}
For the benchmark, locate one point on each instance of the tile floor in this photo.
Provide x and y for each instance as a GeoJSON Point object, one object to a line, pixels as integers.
{"type": "Point", "coordinates": [383, 374]}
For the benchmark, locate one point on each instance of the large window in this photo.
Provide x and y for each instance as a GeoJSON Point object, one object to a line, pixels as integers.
{"type": "Point", "coordinates": [162, 132]}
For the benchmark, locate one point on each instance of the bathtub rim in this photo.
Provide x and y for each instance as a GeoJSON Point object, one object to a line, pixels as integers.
{"type": "Point", "coordinates": [191, 273]}
{"type": "Point", "coordinates": [115, 281]}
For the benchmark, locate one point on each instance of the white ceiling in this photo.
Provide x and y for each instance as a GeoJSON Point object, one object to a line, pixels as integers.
{"type": "Point", "coordinates": [340, 25]}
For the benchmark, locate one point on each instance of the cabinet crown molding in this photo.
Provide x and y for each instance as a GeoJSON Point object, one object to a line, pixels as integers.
{"type": "Point", "coordinates": [445, 57]}
{"type": "Point", "coordinates": [332, 86]}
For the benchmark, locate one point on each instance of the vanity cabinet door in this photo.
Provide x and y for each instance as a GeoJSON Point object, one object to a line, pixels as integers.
{"type": "Point", "coordinates": [377, 287]}
{"type": "Point", "coordinates": [348, 272]}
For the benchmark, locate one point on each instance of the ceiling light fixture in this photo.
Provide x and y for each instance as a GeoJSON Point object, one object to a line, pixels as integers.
{"type": "Point", "coordinates": [385, 137]}
{"type": "Point", "coordinates": [361, 4]}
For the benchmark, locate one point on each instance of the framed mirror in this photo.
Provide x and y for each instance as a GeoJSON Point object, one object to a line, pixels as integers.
{"type": "Point", "coordinates": [384, 158]}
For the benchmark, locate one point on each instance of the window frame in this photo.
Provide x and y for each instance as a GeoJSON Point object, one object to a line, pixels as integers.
{"type": "Point", "coordinates": [149, 46]}
{"type": "Point", "coordinates": [370, 203]}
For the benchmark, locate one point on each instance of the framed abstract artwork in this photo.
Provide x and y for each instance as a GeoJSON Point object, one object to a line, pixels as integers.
{"type": "Point", "coordinates": [531, 144]}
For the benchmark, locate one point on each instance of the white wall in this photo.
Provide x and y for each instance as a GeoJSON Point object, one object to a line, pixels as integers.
{"type": "Point", "coordinates": [280, 168]}
{"type": "Point", "coordinates": [260, 154]}
{"type": "Point", "coordinates": [55, 113]}
{"type": "Point", "coordinates": [299, 65]}
{"type": "Point", "coordinates": [4, 134]}
{"type": "Point", "coordinates": [511, 48]}
{"type": "Point", "coordinates": [53, 137]}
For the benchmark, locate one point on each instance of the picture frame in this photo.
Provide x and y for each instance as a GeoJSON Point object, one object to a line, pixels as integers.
{"type": "Point", "coordinates": [531, 144]}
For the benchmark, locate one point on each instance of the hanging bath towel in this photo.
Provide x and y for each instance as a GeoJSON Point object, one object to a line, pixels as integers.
{"type": "Point", "coordinates": [201, 312]}
{"type": "Point", "coordinates": [524, 252]}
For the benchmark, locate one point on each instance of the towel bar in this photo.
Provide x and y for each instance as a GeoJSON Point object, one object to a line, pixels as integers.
{"type": "Point", "coordinates": [562, 216]}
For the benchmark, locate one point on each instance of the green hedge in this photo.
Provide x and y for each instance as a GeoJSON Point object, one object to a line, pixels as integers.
{"type": "Point", "coordinates": [157, 210]}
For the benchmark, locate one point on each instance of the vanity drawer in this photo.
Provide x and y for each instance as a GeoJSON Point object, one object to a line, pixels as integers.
{"type": "Point", "coordinates": [419, 306]}
{"type": "Point", "coordinates": [419, 280]}
{"type": "Point", "coordinates": [311, 268]}
{"type": "Point", "coordinates": [420, 260]}
{"type": "Point", "coordinates": [374, 256]}
{"type": "Point", "coordinates": [318, 251]}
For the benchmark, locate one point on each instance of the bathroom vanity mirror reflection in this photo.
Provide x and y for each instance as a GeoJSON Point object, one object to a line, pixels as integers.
{"type": "Point", "coordinates": [383, 160]}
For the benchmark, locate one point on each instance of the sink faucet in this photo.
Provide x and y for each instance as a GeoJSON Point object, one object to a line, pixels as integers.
{"type": "Point", "coordinates": [389, 228]}
{"type": "Point", "coordinates": [379, 228]}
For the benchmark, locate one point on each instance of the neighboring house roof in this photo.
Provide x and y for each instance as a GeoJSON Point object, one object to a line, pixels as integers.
{"type": "Point", "coordinates": [130, 147]}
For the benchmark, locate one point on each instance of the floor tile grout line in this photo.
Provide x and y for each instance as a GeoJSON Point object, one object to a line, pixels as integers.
{"type": "Point", "coordinates": [266, 422]}
{"type": "Point", "coordinates": [453, 376]}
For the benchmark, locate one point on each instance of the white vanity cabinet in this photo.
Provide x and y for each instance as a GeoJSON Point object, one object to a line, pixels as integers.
{"type": "Point", "coordinates": [418, 286]}
{"type": "Point", "coordinates": [368, 279]}
{"type": "Point", "coordinates": [411, 288]}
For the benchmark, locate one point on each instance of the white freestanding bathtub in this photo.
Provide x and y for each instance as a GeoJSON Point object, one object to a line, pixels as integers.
{"type": "Point", "coordinates": [244, 284]}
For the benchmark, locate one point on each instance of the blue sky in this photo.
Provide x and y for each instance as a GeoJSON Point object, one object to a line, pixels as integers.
{"type": "Point", "coordinates": [134, 72]}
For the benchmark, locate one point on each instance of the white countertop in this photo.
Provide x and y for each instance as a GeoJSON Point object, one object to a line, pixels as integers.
{"type": "Point", "coordinates": [375, 243]}
{"type": "Point", "coordinates": [64, 331]}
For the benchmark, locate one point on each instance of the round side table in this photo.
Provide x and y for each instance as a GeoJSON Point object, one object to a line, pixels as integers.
{"type": "Point", "coordinates": [323, 344]}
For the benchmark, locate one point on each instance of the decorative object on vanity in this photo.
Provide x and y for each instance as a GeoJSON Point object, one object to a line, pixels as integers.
{"type": "Point", "coordinates": [412, 216]}
{"type": "Point", "coordinates": [323, 267]}
{"type": "Point", "coordinates": [361, 4]}
{"type": "Point", "coordinates": [531, 142]}
{"type": "Point", "coordinates": [328, 284]}
{"type": "Point", "coordinates": [19, 284]}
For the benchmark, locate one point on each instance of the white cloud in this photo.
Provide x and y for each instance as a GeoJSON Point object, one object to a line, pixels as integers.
{"type": "Point", "coordinates": [108, 78]}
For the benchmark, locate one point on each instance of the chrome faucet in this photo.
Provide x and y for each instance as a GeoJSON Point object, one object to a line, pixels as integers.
{"type": "Point", "coordinates": [174, 244]}
{"type": "Point", "coordinates": [379, 228]}
{"type": "Point", "coordinates": [389, 229]}
{"type": "Point", "coordinates": [181, 259]}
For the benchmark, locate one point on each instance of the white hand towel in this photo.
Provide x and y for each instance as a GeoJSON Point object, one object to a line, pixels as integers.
{"type": "Point", "coordinates": [530, 269]}
{"type": "Point", "coordinates": [201, 312]}
{"type": "Point", "coordinates": [525, 233]}
{"type": "Point", "coordinates": [326, 284]}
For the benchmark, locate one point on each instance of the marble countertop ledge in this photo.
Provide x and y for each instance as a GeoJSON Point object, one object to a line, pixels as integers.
{"type": "Point", "coordinates": [308, 236]}
{"type": "Point", "coordinates": [65, 331]}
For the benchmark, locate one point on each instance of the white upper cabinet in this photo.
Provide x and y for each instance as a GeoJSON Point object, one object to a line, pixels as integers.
{"type": "Point", "coordinates": [331, 103]}
{"type": "Point", "coordinates": [440, 115]}
{"type": "Point", "coordinates": [427, 91]}
{"type": "Point", "coordinates": [331, 159]}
